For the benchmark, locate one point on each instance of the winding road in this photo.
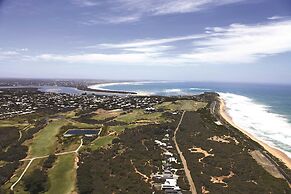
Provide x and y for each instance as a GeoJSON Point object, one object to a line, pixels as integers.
{"type": "Point", "coordinates": [184, 162]}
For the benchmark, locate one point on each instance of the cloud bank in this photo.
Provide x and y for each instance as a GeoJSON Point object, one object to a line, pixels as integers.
{"type": "Point", "coordinates": [125, 11]}
{"type": "Point", "coordinates": [233, 44]}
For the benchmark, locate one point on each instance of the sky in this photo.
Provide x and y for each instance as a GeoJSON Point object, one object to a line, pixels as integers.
{"type": "Point", "coordinates": [197, 40]}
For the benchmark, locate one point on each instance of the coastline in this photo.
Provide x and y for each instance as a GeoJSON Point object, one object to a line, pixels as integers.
{"type": "Point", "coordinates": [90, 89]}
{"type": "Point", "coordinates": [274, 151]}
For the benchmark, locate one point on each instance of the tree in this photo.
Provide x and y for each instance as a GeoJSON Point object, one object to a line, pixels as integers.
{"type": "Point", "coordinates": [36, 182]}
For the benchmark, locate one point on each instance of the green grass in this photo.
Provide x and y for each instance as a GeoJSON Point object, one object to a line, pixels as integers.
{"type": "Point", "coordinates": [186, 105]}
{"type": "Point", "coordinates": [139, 115]}
{"type": "Point", "coordinates": [62, 176]}
{"type": "Point", "coordinates": [101, 142]}
{"type": "Point", "coordinates": [19, 188]}
{"type": "Point", "coordinates": [84, 125]}
{"type": "Point", "coordinates": [70, 114]}
{"type": "Point", "coordinates": [44, 141]}
{"type": "Point", "coordinates": [102, 115]}
{"type": "Point", "coordinates": [13, 123]}
{"type": "Point", "coordinates": [118, 128]}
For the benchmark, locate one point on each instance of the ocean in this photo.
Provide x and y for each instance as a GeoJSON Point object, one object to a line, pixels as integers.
{"type": "Point", "coordinates": [263, 110]}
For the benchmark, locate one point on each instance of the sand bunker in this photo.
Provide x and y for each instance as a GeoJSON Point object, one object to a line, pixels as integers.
{"type": "Point", "coordinates": [223, 139]}
{"type": "Point", "coordinates": [203, 190]}
{"type": "Point", "coordinates": [200, 150]}
{"type": "Point", "coordinates": [220, 179]}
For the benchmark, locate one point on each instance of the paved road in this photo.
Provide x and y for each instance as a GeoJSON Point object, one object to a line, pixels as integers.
{"type": "Point", "coordinates": [184, 162]}
{"type": "Point", "coordinates": [41, 157]}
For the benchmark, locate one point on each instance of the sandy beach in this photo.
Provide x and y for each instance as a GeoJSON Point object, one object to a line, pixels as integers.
{"type": "Point", "coordinates": [275, 152]}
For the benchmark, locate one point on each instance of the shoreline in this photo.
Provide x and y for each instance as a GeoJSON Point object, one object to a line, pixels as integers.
{"type": "Point", "coordinates": [274, 151]}
{"type": "Point", "coordinates": [90, 89]}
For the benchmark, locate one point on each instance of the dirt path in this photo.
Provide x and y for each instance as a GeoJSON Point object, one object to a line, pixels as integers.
{"type": "Point", "coordinates": [12, 186]}
{"type": "Point", "coordinates": [184, 162]}
{"type": "Point", "coordinates": [41, 157]}
{"type": "Point", "coordinates": [145, 177]}
{"type": "Point", "coordinates": [20, 131]}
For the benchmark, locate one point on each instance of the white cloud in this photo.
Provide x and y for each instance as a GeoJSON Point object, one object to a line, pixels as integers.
{"type": "Point", "coordinates": [186, 6]}
{"type": "Point", "coordinates": [276, 18]}
{"type": "Point", "coordinates": [94, 58]}
{"type": "Point", "coordinates": [148, 49]}
{"type": "Point", "coordinates": [163, 7]}
{"type": "Point", "coordinates": [234, 44]}
{"type": "Point", "coordinates": [242, 44]}
{"type": "Point", "coordinates": [114, 19]}
{"type": "Point", "coordinates": [86, 3]}
{"type": "Point", "coordinates": [125, 11]}
{"type": "Point", "coordinates": [9, 54]}
{"type": "Point", "coordinates": [147, 42]}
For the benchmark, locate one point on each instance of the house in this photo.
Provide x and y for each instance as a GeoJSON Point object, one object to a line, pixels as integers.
{"type": "Point", "coordinates": [167, 153]}
{"type": "Point", "coordinates": [172, 159]}
{"type": "Point", "coordinates": [170, 184]}
{"type": "Point", "coordinates": [160, 143]}
{"type": "Point", "coordinates": [150, 109]}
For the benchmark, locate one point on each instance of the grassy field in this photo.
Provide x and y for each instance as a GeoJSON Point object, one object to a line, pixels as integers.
{"type": "Point", "coordinates": [13, 123]}
{"type": "Point", "coordinates": [118, 128]}
{"type": "Point", "coordinates": [101, 142]}
{"type": "Point", "coordinates": [101, 115]}
{"type": "Point", "coordinates": [44, 141]}
{"type": "Point", "coordinates": [19, 187]}
{"type": "Point", "coordinates": [62, 176]}
{"type": "Point", "coordinates": [187, 105]}
{"type": "Point", "coordinates": [84, 125]}
{"type": "Point", "coordinates": [140, 116]}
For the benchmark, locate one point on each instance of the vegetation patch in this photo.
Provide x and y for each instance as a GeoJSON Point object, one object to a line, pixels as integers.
{"type": "Point", "coordinates": [101, 114]}
{"type": "Point", "coordinates": [182, 105]}
{"type": "Point", "coordinates": [44, 142]}
{"type": "Point", "coordinates": [62, 175]}
{"type": "Point", "coordinates": [102, 142]}
{"type": "Point", "coordinates": [230, 168]}
{"type": "Point", "coordinates": [139, 116]}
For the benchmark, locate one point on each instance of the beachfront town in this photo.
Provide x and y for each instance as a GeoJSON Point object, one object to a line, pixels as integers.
{"type": "Point", "coordinates": [23, 101]}
{"type": "Point", "coordinates": [125, 135]}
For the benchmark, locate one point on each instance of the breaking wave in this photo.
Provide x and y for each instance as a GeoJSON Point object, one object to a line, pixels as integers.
{"type": "Point", "coordinates": [174, 90]}
{"type": "Point", "coordinates": [104, 86]}
{"type": "Point", "coordinates": [259, 120]}
{"type": "Point", "coordinates": [200, 89]}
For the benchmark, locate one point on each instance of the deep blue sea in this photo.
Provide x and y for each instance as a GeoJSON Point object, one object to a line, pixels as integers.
{"type": "Point", "coordinates": [264, 110]}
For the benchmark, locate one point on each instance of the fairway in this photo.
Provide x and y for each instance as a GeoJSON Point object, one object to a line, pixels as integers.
{"type": "Point", "coordinates": [101, 114]}
{"type": "Point", "coordinates": [44, 141]}
{"type": "Point", "coordinates": [62, 176]}
{"type": "Point", "coordinates": [185, 105]}
{"type": "Point", "coordinates": [118, 128]}
{"type": "Point", "coordinates": [139, 115]}
{"type": "Point", "coordinates": [101, 142]}
{"type": "Point", "coordinates": [79, 125]}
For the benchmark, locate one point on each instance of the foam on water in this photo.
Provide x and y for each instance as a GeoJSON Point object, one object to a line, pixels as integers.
{"type": "Point", "coordinates": [102, 86]}
{"type": "Point", "coordinates": [174, 90]}
{"type": "Point", "coordinates": [200, 89]}
{"type": "Point", "coordinates": [105, 85]}
{"type": "Point", "coordinates": [258, 120]}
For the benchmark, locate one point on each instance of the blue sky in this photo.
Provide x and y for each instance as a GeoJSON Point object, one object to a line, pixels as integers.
{"type": "Point", "coordinates": [200, 40]}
